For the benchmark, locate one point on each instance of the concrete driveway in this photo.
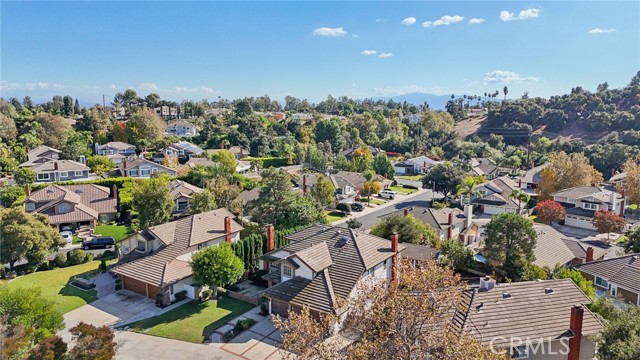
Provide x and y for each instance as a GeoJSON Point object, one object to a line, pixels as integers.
{"type": "Point", "coordinates": [119, 306]}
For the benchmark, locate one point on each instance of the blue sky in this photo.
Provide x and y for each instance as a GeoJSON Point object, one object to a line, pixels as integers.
{"type": "Point", "coordinates": [198, 50]}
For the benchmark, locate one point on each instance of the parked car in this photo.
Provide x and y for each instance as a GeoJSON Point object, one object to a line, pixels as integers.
{"type": "Point", "coordinates": [67, 236]}
{"type": "Point", "coordinates": [66, 228]}
{"type": "Point", "coordinates": [388, 194]}
{"type": "Point", "coordinates": [99, 243]}
{"type": "Point", "coordinates": [357, 207]}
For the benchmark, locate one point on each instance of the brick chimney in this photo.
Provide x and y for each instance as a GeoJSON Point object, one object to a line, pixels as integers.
{"type": "Point", "coordinates": [114, 192]}
{"type": "Point", "coordinates": [520, 183]}
{"type": "Point", "coordinates": [241, 153]}
{"type": "Point", "coordinates": [304, 183]}
{"type": "Point", "coordinates": [27, 190]}
{"type": "Point", "coordinates": [450, 228]}
{"type": "Point", "coordinates": [227, 229]}
{"type": "Point", "coordinates": [406, 211]}
{"type": "Point", "coordinates": [55, 165]}
{"type": "Point", "coordinates": [575, 325]}
{"type": "Point", "coordinates": [394, 259]}
{"type": "Point", "coordinates": [271, 238]}
{"type": "Point", "coordinates": [589, 256]}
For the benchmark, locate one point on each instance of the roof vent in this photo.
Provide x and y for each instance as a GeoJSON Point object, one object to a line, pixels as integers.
{"type": "Point", "coordinates": [49, 190]}
{"type": "Point", "coordinates": [548, 290]}
{"type": "Point", "coordinates": [79, 191]}
{"type": "Point", "coordinates": [343, 241]}
{"type": "Point", "coordinates": [506, 295]}
{"type": "Point", "coordinates": [479, 307]}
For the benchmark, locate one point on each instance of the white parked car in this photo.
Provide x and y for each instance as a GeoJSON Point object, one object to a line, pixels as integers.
{"type": "Point", "coordinates": [388, 194]}
{"type": "Point", "coordinates": [67, 236]}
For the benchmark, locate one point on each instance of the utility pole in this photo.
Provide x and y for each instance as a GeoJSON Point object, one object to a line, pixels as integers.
{"type": "Point", "coordinates": [104, 106]}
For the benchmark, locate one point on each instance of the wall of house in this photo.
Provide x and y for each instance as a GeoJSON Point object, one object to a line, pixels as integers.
{"type": "Point", "coordinates": [104, 217]}
{"type": "Point", "coordinates": [179, 286]}
{"type": "Point", "coordinates": [131, 243]}
{"type": "Point", "coordinates": [493, 210]}
{"type": "Point", "coordinates": [279, 307]}
{"type": "Point", "coordinates": [71, 175]}
{"type": "Point", "coordinates": [140, 287]}
{"type": "Point", "coordinates": [630, 296]}
{"type": "Point", "coordinates": [302, 271]}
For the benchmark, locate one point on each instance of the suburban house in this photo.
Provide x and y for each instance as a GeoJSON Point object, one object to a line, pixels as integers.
{"type": "Point", "coordinates": [531, 320]}
{"type": "Point", "coordinates": [484, 167]}
{"type": "Point", "coordinates": [348, 184]}
{"type": "Point", "coordinates": [307, 180]}
{"type": "Point", "coordinates": [237, 151]}
{"type": "Point", "coordinates": [156, 263]}
{"type": "Point", "coordinates": [116, 147]}
{"type": "Point", "coordinates": [119, 112]}
{"type": "Point", "coordinates": [182, 128]}
{"type": "Point", "coordinates": [582, 202]}
{"type": "Point", "coordinates": [450, 223]}
{"type": "Point", "coordinates": [553, 247]}
{"type": "Point", "coordinates": [321, 267]}
{"type": "Point", "coordinates": [619, 276]}
{"type": "Point", "coordinates": [419, 254]}
{"type": "Point", "coordinates": [75, 205]}
{"type": "Point", "coordinates": [531, 177]}
{"type": "Point", "coordinates": [618, 178]}
{"type": "Point", "coordinates": [182, 192]}
{"type": "Point", "coordinates": [142, 168]}
{"type": "Point", "coordinates": [60, 170]}
{"type": "Point", "coordinates": [181, 150]}
{"type": "Point", "coordinates": [348, 153]}
{"type": "Point", "coordinates": [40, 155]}
{"type": "Point", "coordinates": [167, 112]}
{"type": "Point", "coordinates": [494, 197]}
{"type": "Point", "coordinates": [241, 166]}
{"type": "Point", "coordinates": [417, 165]}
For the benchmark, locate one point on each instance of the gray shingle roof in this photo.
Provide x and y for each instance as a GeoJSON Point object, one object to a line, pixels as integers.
{"type": "Point", "coordinates": [181, 188]}
{"type": "Point", "coordinates": [419, 252]}
{"type": "Point", "coordinates": [623, 271]}
{"type": "Point", "coordinates": [116, 145]}
{"type": "Point", "coordinates": [90, 200]}
{"type": "Point", "coordinates": [59, 165]}
{"type": "Point", "coordinates": [550, 248]}
{"type": "Point", "coordinates": [529, 312]}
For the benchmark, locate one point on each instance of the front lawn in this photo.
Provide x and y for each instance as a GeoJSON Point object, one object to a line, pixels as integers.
{"type": "Point", "coordinates": [402, 190]}
{"type": "Point", "coordinates": [194, 321]}
{"type": "Point", "coordinates": [332, 216]}
{"type": "Point", "coordinates": [118, 232]}
{"type": "Point", "coordinates": [412, 177]}
{"type": "Point", "coordinates": [54, 285]}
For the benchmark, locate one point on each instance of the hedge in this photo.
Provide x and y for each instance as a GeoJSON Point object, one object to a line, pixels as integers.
{"type": "Point", "coordinates": [250, 248]}
{"type": "Point", "coordinates": [268, 162]}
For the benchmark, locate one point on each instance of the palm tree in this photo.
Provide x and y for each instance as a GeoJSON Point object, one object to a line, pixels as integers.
{"type": "Point", "coordinates": [505, 90]}
{"type": "Point", "coordinates": [469, 187]}
{"type": "Point", "coordinates": [519, 196]}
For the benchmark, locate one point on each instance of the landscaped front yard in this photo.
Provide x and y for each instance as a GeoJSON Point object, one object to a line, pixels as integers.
{"type": "Point", "coordinates": [402, 190]}
{"type": "Point", "coordinates": [412, 177]}
{"type": "Point", "coordinates": [118, 232]}
{"type": "Point", "coordinates": [332, 216]}
{"type": "Point", "coordinates": [194, 321]}
{"type": "Point", "coordinates": [54, 285]}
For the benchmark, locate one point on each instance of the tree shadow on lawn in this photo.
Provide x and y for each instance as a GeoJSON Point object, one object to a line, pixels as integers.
{"type": "Point", "coordinates": [88, 295]}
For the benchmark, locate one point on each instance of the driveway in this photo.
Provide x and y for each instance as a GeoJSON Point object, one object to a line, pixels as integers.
{"type": "Point", "coordinates": [260, 342]}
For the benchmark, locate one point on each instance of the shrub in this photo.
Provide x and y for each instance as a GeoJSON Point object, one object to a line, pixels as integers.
{"type": "Point", "coordinates": [264, 310]}
{"type": "Point", "coordinates": [207, 293]}
{"type": "Point", "coordinates": [181, 295]}
{"type": "Point", "coordinates": [88, 258]}
{"type": "Point", "coordinates": [159, 299]}
{"type": "Point", "coordinates": [344, 207]}
{"type": "Point", "coordinates": [61, 259]}
{"type": "Point", "coordinates": [118, 287]}
{"type": "Point", "coordinates": [77, 256]}
{"type": "Point", "coordinates": [103, 265]}
{"type": "Point", "coordinates": [243, 325]}
{"type": "Point", "coordinates": [257, 279]}
{"type": "Point", "coordinates": [108, 254]}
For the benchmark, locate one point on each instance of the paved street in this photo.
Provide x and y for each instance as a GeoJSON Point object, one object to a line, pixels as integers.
{"type": "Point", "coordinates": [370, 216]}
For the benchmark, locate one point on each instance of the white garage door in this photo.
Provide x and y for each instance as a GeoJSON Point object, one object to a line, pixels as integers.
{"type": "Point", "coordinates": [578, 222]}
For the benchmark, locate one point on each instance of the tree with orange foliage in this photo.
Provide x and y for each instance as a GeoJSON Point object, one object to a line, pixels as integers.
{"type": "Point", "coordinates": [119, 131]}
{"type": "Point", "coordinates": [550, 211]}
{"type": "Point", "coordinates": [608, 222]}
{"type": "Point", "coordinates": [566, 171]}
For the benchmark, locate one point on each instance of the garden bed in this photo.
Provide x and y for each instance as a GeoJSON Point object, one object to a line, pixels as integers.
{"type": "Point", "coordinates": [241, 326]}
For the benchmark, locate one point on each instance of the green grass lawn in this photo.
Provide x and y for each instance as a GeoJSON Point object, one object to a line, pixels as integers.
{"type": "Point", "coordinates": [54, 285]}
{"type": "Point", "coordinates": [633, 206]}
{"type": "Point", "coordinates": [411, 177]}
{"type": "Point", "coordinates": [76, 240]}
{"type": "Point", "coordinates": [118, 232]}
{"type": "Point", "coordinates": [332, 216]}
{"type": "Point", "coordinates": [402, 190]}
{"type": "Point", "coordinates": [621, 239]}
{"type": "Point", "coordinates": [535, 219]}
{"type": "Point", "coordinates": [194, 321]}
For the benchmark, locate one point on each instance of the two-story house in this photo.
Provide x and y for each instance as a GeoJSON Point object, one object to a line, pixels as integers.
{"type": "Point", "coordinates": [157, 264]}
{"type": "Point", "coordinates": [348, 184]}
{"type": "Point", "coordinates": [74, 205]}
{"type": "Point", "coordinates": [532, 177]}
{"type": "Point", "coordinates": [449, 223]}
{"type": "Point", "coordinates": [60, 170]}
{"type": "Point", "coordinates": [182, 191]}
{"type": "Point", "coordinates": [182, 128]}
{"type": "Point", "coordinates": [322, 266]}
{"type": "Point", "coordinates": [40, 155]}
{"type": "Point", "coordinates": [484, 167]}
{"type": "Point", "coordinates": [181, 150]}
{"type": "Point", "coordinates": [167, 112]}
{"type": "Point", "coordinates": [117, 151]}
{"type": "Point", "coordinates": [582, 202]}
{"type": "Point", "coordinates": [553, 248]}
{"type": "Point", "coordinates": [620, 276]}
{"type": "Point", "coordinates": [143, 168]}
{"type": "Point", "coordinates": [536, 320]}
{"type": "Point", "coordinates": [495, 197]}
{"type": "Point", "coordinates": [417, 165]}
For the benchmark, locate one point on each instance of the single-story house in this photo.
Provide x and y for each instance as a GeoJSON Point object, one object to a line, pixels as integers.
{"type": "Point", "coordinates": [417, 165]}
{"type": "Point", "coordinates": [237, 151]}
{"type": "Point", "coordinates": [619, 276]}
{"type": "Point", "coordinates": [181, 150]}
{"type": "Point", "coordinates": [531, 319]}
{"type": "Point", "coordinates": [142, 168]}
{"type": "Point", "coordinates": [553, 247]}
{"type": "Point", "coordinates": [531, 177]}
{"type": "Point", "coordinates": [116, 147]}
{"type": "Point", "coordinates": [75, 205]}
{"type": "Point", "coordinates": [348, 153]}
{"type": "Point", "coordinates": [582, 202]}
{"type": "Point", "coordinates": [156, 263]}
{"type": "Point", "coordinates": [484, 167]}
{"type": "Point", "coordinates": [182, 191]}
{"type": "Point", "coordinates": [322, 265]}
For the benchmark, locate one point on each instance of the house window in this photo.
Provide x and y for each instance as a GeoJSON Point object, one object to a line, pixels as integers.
{"type": "Point", "coordinates": [142, 245]}
{"type": "Point", "coordinates": [133, 172]}
{"type": "Point", "coordinates": [171, 289]}
{"type": "Point", "coordinates": [145, 171]}
{"type": "Point", "coordinates": [590, 206]}
{"type": "Point", "coordinates": [64, 208]}
{"type": "Point", "coordinates": [287, 271]}
{"type": "Point", "coordinates": [64, 174]}
{"type": "Point", "coordinates": [182, 205]}
{"type": "Point", "coordinates": [78, 173]}
{"type": "Point", "coordinates": [519, 352]}
{"type": "Point", "coordinates": [571, 201]}
{"type": "Point", "coordinates": [154, 170]}
{"type": "Point", "coordinates": [44, 176]}
{"type": "Point", "coordinates": [30, 206]}
{"type": "Point", "coordinates": [603, 283]}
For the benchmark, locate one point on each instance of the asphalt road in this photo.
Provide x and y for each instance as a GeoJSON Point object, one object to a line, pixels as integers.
{"type": "Point", "coordinates": [369, 219]}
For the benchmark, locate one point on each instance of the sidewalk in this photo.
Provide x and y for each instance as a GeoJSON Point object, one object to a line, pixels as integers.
{"type": "Point", "coordinates": [369, 210]}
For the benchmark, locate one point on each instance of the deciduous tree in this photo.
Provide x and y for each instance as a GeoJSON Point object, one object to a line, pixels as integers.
{"type": "Point", "coordinates": [100, 164]}
{"type": "Point", "coordinates": [382, 165]}
{"type": "Point", "coordinates": [631, 182]}
{"type": "Point", "coordinates": [632, 243]}
{"type": "Point", "coordinates": [152, 200]}
{"type": "Point", "coordinates": [362, 160]}
{"type": "Point", "coordinates": [53, 129]}
{"type": "Point", "coordinates": [620, 339]}
{"type": "Point", "coordinates": [371, 187]}
{"type": "Point", "coordinates": [216, 266]}
{"type": "Point", "coordinates": [322, 191]}
{"type": "Point", "coordinates": [408, 228]}
{"type": "Point", "coordinates": [202, 202]}
{"type": "Point", "coordinates": [566, 171]}
{"type": "Point", "coordinates": [24, 176]}
{"type": "Point", "coordinates": [607, 222]}
{"type": "Point", "coordinates": [92, 343]}
{"type": "Point", "coordinates": [145, 124]}
{"type": "Point", "coordinates": [550, 211]}
{"type": "Point", "coordinates": [226, 159]}
{"type": "Point", "coordinates": [29, 308]}
{"type": "Point", "coordinates": [509, 243]}
{"type": "Point", "coordinates": [7, 128]}
{"type": "Point", "coordinates": [445, 178]}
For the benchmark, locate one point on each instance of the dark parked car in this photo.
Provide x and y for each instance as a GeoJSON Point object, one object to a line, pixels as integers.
{"type": "Point", "coordinates": [357, 207]}
{"type": "Point", "coordinates": [99, 243]}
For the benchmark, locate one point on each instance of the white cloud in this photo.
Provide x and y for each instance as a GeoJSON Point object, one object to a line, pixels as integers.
{"type": "Point", "coordinates": [524, 14]}
{"type": "Point", "coordinates": [506, 77]}
{"type": "Point", "coordinates": [5, 85]}
{"type": "Point", "coordinates": [188, 90]}
{"type": "Point", "coordinates": [386, 55]}
{"type": "Point", "coordinates": [148, 86]}
{"type": "Point", "coordinates": [601, 31]}
{"type": "Point", "coordinates": [325, 31]}
{"type": "Point", "coordinates": [476, 21]}
{"type": "Point", "coordinates": [445, 20]}
{"type": "Point", "coordinates": [355, 36]}
{"type": "Point", "coordinates": [368, 52]}
{"type": "Point", "coordinates": [408, 21]}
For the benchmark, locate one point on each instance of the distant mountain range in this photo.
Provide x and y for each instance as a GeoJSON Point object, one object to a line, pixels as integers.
{"type": "Point", "coordinates": [436, 102]}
